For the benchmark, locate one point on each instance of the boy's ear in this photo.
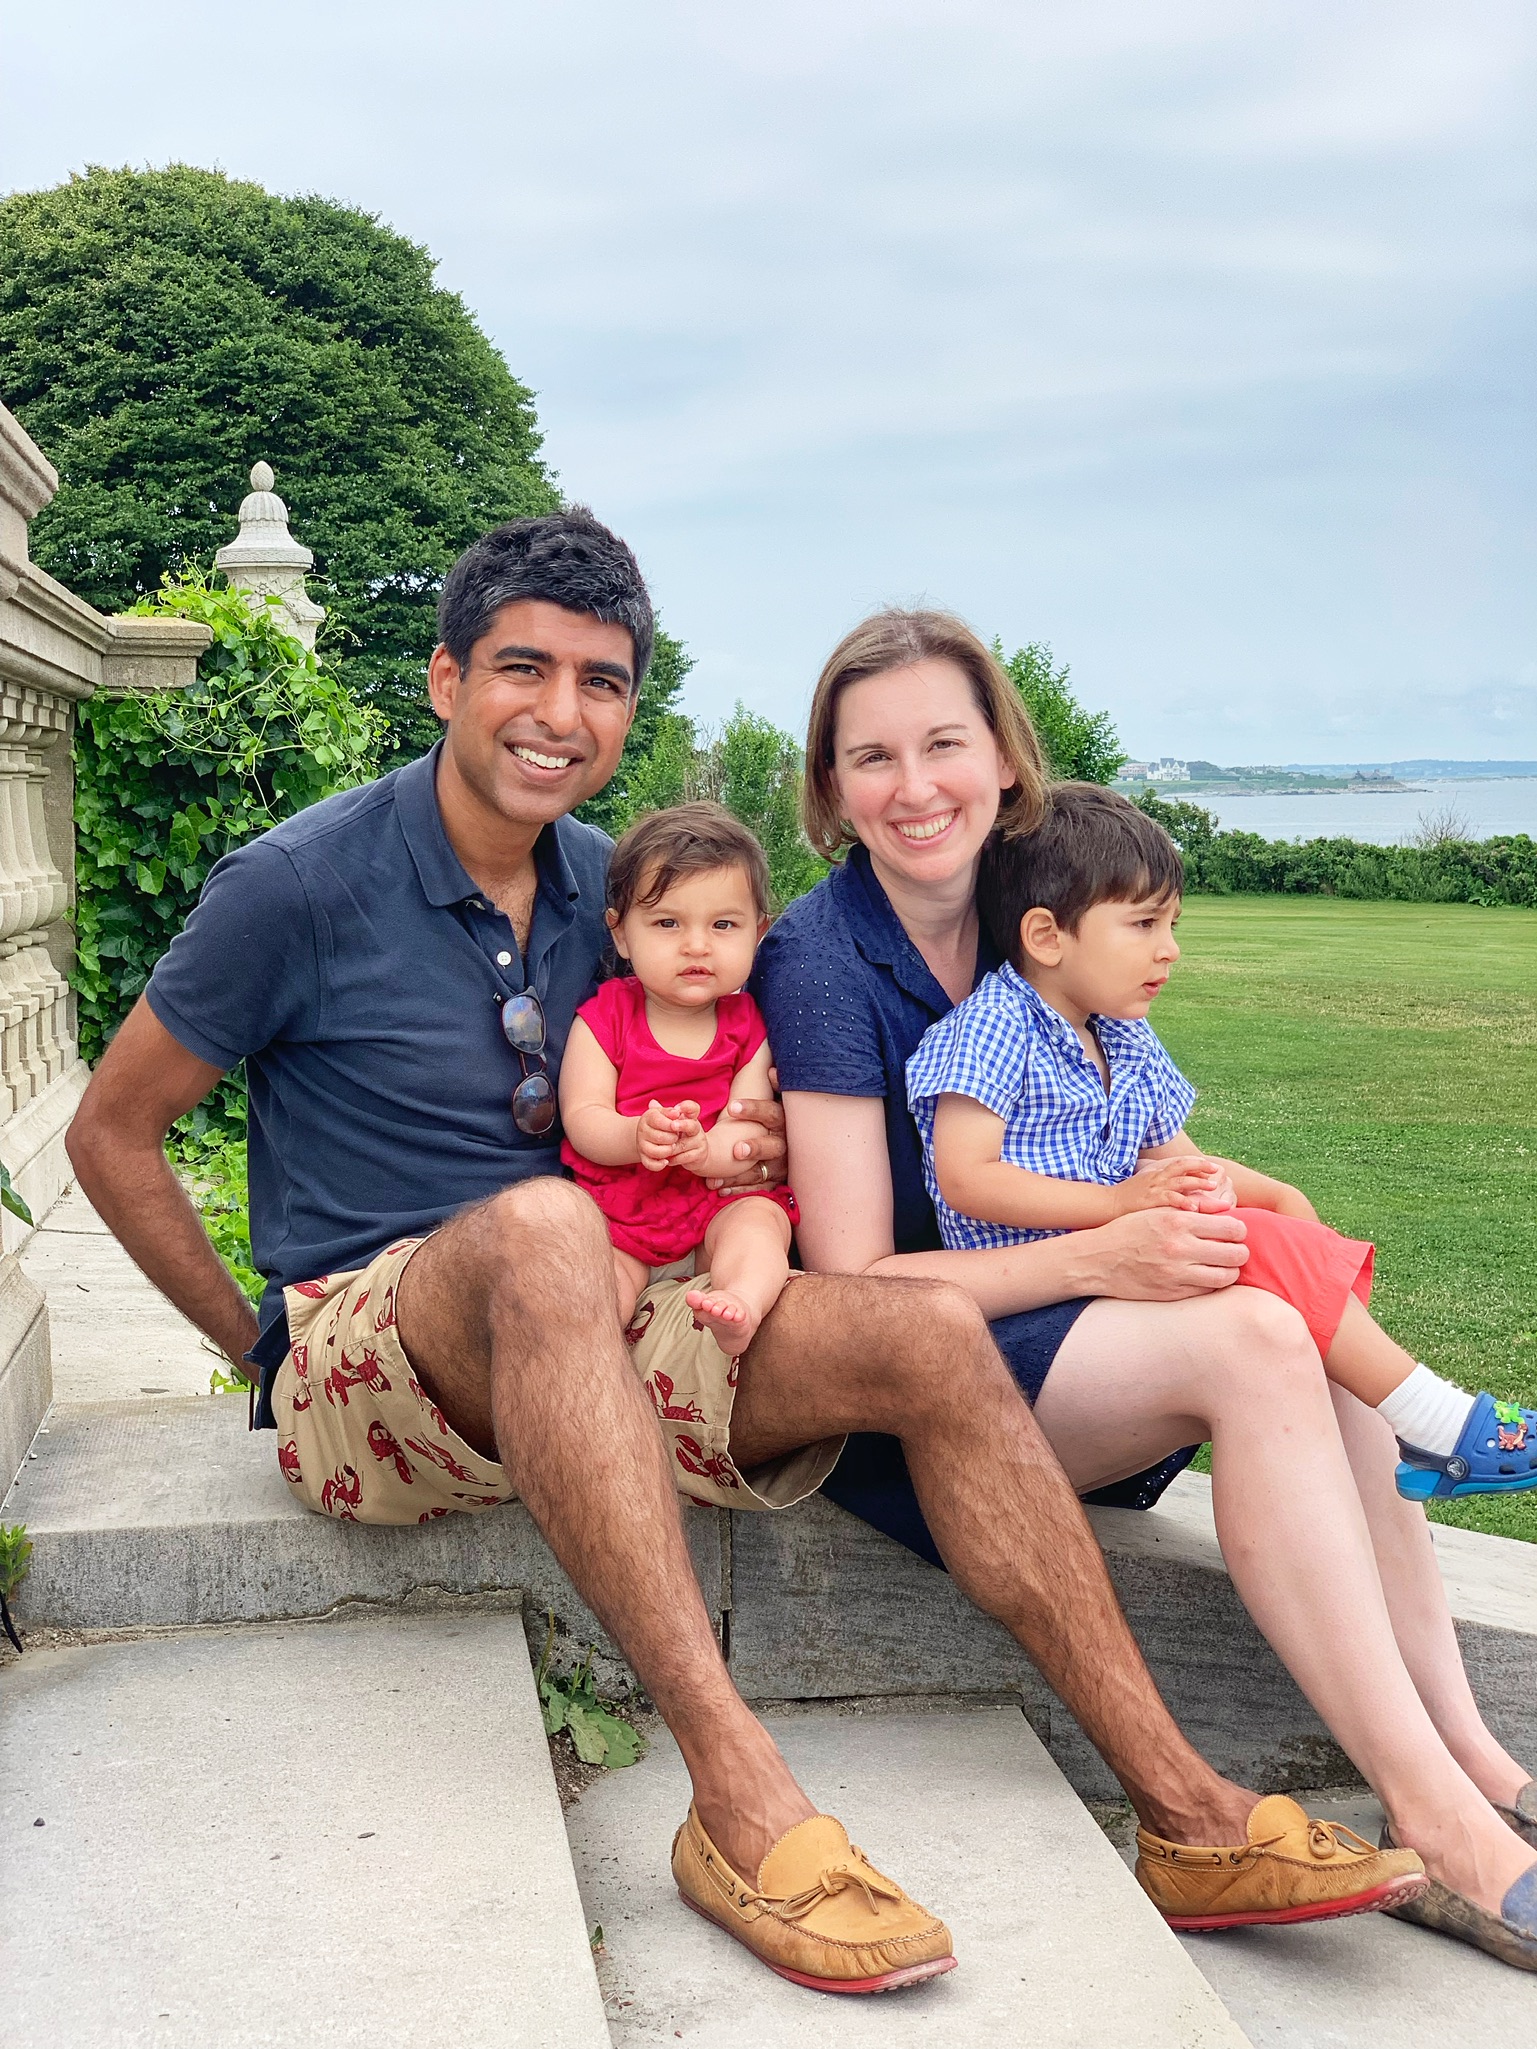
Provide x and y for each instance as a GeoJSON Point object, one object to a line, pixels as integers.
{"type": "Point", "coordinates": [1040, 937]}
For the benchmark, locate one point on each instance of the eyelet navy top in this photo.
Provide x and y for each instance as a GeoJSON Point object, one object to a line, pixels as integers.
{"type": "Point", "coordinates": [846, 997]}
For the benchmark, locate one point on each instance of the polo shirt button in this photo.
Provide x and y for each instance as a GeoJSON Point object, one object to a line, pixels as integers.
{"type": "Point", "coordinates": [504, 960]}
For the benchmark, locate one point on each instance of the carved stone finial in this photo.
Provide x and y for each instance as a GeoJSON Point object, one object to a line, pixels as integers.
{"type": "Point", "coordinates": [265, 560]}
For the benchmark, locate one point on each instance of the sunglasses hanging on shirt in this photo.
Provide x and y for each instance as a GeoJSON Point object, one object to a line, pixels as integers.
{"type": "Point", "coordinates": [533, 1100]}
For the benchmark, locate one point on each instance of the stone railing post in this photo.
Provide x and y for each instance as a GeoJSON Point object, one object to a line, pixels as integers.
{"type": "Point", "coordinates": [265, 561]}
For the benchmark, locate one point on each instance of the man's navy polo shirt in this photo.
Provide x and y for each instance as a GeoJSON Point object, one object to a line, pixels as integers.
{"type": "Point", "coordinates": [353, 965]}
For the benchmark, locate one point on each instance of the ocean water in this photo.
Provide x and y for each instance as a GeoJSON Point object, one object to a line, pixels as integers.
{"type": "Point", "coordinates": [1386, 818]}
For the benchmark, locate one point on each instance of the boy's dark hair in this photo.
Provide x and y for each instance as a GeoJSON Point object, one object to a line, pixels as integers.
{"type": "Point", "coordinates": [1091, 847]}
{"type": "Point", "coordinates": [689, 839]}
{"type": "Point", "coordinates": [567, 558]}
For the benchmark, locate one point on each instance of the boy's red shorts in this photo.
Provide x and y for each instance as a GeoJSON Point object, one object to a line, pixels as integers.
{"type": "Point", "coordinates": [1308, 1265]}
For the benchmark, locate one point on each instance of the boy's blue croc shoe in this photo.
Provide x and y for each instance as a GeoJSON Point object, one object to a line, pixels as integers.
{"type": "Point", "coordinates": [1496, 1454]}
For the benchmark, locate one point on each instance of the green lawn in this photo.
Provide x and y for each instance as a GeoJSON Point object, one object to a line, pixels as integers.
{"type": "Point", "coordinates": [1383, 1056]}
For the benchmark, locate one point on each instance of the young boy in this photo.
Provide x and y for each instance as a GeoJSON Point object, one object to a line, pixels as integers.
{"type": "Point", "coordinates": [1045, 1103]}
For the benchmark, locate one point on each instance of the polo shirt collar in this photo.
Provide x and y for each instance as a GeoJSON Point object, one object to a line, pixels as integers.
{"type": "Point", "coordinates": [443, 876]}
{"type": "Point", "coordinates": [882, 938]}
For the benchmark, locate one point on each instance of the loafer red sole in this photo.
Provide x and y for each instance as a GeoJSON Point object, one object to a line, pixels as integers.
{"type": "Point", "coordinates": [888, 1981]}
{"type": "Point", "coordinates": [1395, 1893]}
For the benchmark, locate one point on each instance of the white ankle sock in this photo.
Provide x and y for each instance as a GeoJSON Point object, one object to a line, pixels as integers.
{"type": "Point", "coordinates": [1427, 1411]}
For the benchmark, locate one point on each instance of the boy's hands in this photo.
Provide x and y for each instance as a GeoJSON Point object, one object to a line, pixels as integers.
{"type": "Point", "coordinates": [662, 1136]}
{"type": "Point", "coordinates": [1187, 1181]}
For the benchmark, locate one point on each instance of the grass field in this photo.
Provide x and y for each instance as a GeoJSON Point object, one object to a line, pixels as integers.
{"type": "Point", "coordinates": [1383, 1057]}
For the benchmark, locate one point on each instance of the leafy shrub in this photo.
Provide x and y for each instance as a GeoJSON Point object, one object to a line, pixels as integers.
{"type": "Point", "coordinates": [167, 783]}
{"type": "Point", "coordinates": [1493, 872]}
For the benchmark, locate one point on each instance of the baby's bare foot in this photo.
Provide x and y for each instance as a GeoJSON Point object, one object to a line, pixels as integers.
{"type": "Point", "coordinates": [727, 1318]}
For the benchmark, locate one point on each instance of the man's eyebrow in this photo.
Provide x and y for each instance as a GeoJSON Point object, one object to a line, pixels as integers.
{"type": "Point", "coordinates": [542, 654]}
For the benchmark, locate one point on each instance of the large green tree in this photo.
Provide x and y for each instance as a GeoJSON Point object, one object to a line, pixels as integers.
{"type": "Point", "coordinates": [162, 330]}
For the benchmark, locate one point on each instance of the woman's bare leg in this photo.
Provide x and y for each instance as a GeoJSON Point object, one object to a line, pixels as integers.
{"type": "Point", "coordinates": [1132, 1382]}
{"type": "Point", "coordinates": [1417, 1605]}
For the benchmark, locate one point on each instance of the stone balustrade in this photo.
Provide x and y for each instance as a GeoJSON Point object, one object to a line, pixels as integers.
{"type": "Point", "coordinates": [55, 651]}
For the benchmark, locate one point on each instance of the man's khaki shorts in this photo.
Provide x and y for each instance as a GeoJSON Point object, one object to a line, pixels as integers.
{"type": "Point", "coordinates": [359, 1438]}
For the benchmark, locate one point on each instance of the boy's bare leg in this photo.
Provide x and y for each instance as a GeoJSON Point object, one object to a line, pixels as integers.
{"type": "Point", "coordinates": [509, 1317]}
{"type": "Point", "coordinates": [1417, 1605]}
{"type": "Point", "coordinates": [1363, 1359]}
{"type": "Point", "coordinates": [746, 1252]}
{"type": "Point", "coordinates": [915, 1359]}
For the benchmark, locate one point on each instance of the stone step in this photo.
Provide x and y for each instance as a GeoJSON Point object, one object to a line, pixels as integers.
{"type": "Point", "coordinates": [1056, 1944]}
{"type": "Point", "coordinates": [330, 1834]}
{"type": "Point", "coordinates": [151, 1513]}
{"type": "Point", "coordinates": [147, 1514]}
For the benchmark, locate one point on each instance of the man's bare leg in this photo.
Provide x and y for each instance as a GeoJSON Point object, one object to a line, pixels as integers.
{"type": "Point", "coordinates": [915, 1359]}
{"type": "Point", "coordinates": [510, 1319]}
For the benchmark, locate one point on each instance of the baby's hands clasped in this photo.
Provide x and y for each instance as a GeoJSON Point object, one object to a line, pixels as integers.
{"type": "Point", "coordinates": [671, 1138]}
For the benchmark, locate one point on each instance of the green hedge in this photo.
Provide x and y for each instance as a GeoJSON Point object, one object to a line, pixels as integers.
{"type": "Point", "coordinates": [1493, 872]}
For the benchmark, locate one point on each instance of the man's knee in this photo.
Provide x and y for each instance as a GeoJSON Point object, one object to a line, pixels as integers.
{"type": "Point", "coordinates": [935, 1334]}
{"type": "Point", "coordinates": [540, 1221]}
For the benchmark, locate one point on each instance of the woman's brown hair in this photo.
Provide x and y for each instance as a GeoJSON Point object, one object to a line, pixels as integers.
{"type": "Point", "coordinates": [895, 639]}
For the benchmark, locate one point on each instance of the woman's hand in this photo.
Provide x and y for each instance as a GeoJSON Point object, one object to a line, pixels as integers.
{"type": "Point", "coordinates": [1158, 1255]}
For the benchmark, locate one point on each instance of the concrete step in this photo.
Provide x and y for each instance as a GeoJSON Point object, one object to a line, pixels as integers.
{"type": "Point", "coordinates": [1368, 1983]}
{"type": "Point", "coordinates": [1056, 1943]}
{"type": "Point", "coordinates": [167, 1512]}
{"type": "Point", "coordinates": [825, 1608]}
{"type": "Point", "coordinates": [321, 1834]}
{"type": "Point", "coordinates": [160, 1513]}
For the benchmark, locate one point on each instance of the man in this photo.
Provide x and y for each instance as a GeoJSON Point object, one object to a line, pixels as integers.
{"type": "Point", "coordinates": [449, 1334]}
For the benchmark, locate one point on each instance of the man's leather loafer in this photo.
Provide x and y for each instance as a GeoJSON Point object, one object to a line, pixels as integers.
{"type": "Point", "coordinates": [1290, 1869]}
{"type": "Point", "coordinates": [820, 1914]}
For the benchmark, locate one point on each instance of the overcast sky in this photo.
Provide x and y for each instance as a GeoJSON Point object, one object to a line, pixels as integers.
{"type": "Point", "coordinates": [1193, 339]}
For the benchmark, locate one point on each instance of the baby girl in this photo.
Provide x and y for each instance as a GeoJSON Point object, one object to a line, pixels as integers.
{"type": "Point", "coordinates": [655, 1057]}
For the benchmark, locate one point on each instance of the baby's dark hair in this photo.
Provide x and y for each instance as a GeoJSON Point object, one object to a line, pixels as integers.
{"type": "Point", "coordinates": [689, 839]}
{"type": "Point", "coordinates": [1091, 847]}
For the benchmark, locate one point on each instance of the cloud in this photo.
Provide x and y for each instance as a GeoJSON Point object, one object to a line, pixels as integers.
{"type": "Point", "coordinates": [1195, 341]}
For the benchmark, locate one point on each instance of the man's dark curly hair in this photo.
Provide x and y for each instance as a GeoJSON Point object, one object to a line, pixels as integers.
{"type": "Point", "coordinates": [565, 558]}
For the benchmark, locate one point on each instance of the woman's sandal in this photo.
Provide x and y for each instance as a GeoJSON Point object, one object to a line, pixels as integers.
{"type": "Point", "coordinates": [1510, 1935]}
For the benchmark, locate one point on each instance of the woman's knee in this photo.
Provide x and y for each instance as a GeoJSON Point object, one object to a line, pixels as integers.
{"type": "Point", "coordinates": [1262, 1346]}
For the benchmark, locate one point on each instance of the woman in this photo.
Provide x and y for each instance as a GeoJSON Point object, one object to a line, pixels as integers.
{"type": "Point", "coordinates": [1129, 1340]}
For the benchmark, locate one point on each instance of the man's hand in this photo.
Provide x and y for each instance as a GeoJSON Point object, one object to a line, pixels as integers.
{"type": "Point", "coordinates": [763, 1149]}
{"type": "Point", "coordinates": [1186, 1182]}
{"type": "Point", "coordinates": [116, 1144]}
{"type": "Point", "coordinates": [660, 1132]}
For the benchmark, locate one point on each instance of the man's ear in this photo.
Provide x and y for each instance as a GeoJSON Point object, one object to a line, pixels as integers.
{"type": "Point", "coordinates": [444, 677]}
{"type": "Point", "coordinates": [1041, 937]}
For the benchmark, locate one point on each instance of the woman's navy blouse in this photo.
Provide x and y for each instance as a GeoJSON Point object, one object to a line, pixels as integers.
{"type": "Point", "coordinates": [846, 997]}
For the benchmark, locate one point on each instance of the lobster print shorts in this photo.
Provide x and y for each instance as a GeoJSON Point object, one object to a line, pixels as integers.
{"type": "Point", "coordinates": [360, 1438]}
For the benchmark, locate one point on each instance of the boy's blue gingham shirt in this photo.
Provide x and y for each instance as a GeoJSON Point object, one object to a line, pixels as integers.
{"type": "Point", "coordinates": [1006, 1047]}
